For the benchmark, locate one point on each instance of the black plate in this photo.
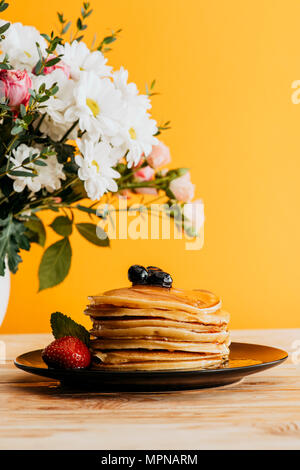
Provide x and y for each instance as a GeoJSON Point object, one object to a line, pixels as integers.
{"type": "Point", "coordinates": [245, 359]}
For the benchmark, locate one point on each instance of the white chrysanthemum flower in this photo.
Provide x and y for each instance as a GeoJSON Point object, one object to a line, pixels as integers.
{"type": "Point", "coordinates": [54, 124]}
{"type": "Point", "coordinates": [130, 92]}
{"type": "Point", "coordinates": [98, 106]}
{"type": "Point", "coordinates": [20, 45]}
{"type": "Point", "coordinates": [79, 58]}
{"type": "Point", "coordinates": [136, 136]}
{"type": "Point", "coordinates": [137, 129]}
{"type": "Point", "coordinates": [48, 177]}
{"type": "Point", "coordinates": [95, 168]}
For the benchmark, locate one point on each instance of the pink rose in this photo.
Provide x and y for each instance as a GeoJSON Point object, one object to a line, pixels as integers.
{"type": "Point", "coordinates": [159, 156]}
{"type": "Point", "coordinates": [15, 85]}
{"type": "Point", "coordinates": [59, 66]}
{"type": "Point", "coordinates": [194, 214]}
{"type": "Point", "coordinates": [145, 174]}
{"type": "Point", "coordinates": [182, 188]}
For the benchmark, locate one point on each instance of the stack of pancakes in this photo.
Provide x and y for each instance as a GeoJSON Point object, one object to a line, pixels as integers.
{"type": "Point", "coordinates": [153, 328]}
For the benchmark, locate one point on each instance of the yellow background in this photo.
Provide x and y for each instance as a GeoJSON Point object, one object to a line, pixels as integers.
{"type": "Point", "coordinates": [225, 70]}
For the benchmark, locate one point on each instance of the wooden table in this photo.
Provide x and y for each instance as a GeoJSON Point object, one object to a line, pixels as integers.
{"type": "Point", "coordinates": [262, 412]}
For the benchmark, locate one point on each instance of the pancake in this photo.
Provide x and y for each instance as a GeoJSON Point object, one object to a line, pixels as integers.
{"type": "Point", "coordinates": [179, 334]}
{"type": "Point", "coordinates": [143, 355]}
{"type": "Point", "coordinates": [140, 296]}
{"type": "Point", "coordinates": [161, 365]}
{"type": "Point", "coordinates": [158, 343]}
{"type": "Point", "coordinates": [219, 317]}
{"type": "Point", "coordinates": [101, 323]}
{"type": "Point", "coordinates": [146, 327]}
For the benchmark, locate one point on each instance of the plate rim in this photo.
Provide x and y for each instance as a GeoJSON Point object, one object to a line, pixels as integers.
{"type": "Point", "coordinates": [158, 372]}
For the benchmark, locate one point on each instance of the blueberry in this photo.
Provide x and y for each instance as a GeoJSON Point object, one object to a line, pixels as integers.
{"type": "Point", "coordinates": [159, 278]}
{"type": "Point", "coordinates": [153, 268]}
{"type": "Point", "coordinates": [137, 274]}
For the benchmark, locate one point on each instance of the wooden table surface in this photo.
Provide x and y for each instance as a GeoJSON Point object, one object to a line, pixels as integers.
{"type": "Point", "coordinates": [261, 412]}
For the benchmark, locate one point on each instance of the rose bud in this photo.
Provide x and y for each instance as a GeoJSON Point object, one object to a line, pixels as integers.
{"type": "Point", "coordinates": [145, 174]}
{"type": "Point", "coordinates": [59, 66]}
{"type": "Point", "coordinates": [14, 86]}
{"type": "Point", "coordinates": [159, 156]}
{"type": "Point", "coordinates": [182, 188]}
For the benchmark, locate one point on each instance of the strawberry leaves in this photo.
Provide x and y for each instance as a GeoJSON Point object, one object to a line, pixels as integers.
{"type": "Point", "coordinates": [62, 325]}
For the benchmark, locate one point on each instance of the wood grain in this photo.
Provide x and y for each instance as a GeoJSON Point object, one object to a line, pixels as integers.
{"type": "Point", "coordinates": [262, 412]}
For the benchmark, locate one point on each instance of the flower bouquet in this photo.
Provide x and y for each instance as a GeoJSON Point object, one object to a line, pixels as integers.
{"type": "Point", "coordinates": [72, 129]}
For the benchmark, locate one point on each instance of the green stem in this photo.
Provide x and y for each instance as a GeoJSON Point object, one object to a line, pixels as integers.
{"type": "Point", "coordinates": [64, 137]}
{"type": "Point", "coordinates": [145, 184]}
{"type": "Point", "coordinates": [40, 122]}
{"type": "Point", "coordinates": [142, 184]}
{"type": "Point", "coordinates": [12, 143]}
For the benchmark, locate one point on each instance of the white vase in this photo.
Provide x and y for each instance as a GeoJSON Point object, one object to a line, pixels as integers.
{"type": "Point", "coordinates": [4, 293]}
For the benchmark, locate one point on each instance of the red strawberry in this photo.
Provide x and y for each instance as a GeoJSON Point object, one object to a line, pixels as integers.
{"type": "Point", "coordinates": [67, 353]}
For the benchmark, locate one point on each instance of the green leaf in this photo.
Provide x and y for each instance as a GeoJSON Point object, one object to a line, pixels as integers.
{"type": "Point", "coordinates": [66, 28]}
{"type": "Point", "coordinates": [62, 325]}
{"type": "Point", "coordinates": [60, 17]}
{"type": "Point", "coordinates": [22, 173]}
{"type": "Point", "coordinates": [62, 225]}
{"type": "Point", "coordinates": [45, 36]}
{"type": "Point", "coordinates": [22, 110]}
{"type": "Point", "coordinates": [3, 6]}
{"type": "Point", "coordinates": [109, 39]}
{"type": "Point", "coordinates": [12, 239]}
{"type": "Point", "coordinates": [4, 28]}
{"type": "Point", "coordinates": [53, 61]}
{"type": "Point", "coordinates": [36, 227]}
{"type": "Point", "coordinates": [55, 264]}
{"type": "Point", "coordinates": [16, 130]}
{"type": "Point", "coordinates": [40, 163]}
{"type": "Point", "coordinates": [93, 234]}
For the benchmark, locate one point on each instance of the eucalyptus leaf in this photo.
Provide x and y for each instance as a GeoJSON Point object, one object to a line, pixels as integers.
{"type": "Point", "coordinates": [3, 6]}
{"type": "Point", "coordinates": [40, 163]}
{"type": "Point", "coordinates": [66, 28]}
{"type": "Point", "coordinates": [55, 264]}
{"type": "Point", "coordinates": [93, 234]}
{"type": "Point", "coordinates": [22, 173]}
{"type": "Point", "coordinates": [4, 28]}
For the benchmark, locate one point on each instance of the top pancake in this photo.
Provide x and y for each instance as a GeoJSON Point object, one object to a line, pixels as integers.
{"type": "Point", "coordinates": [194, 301]}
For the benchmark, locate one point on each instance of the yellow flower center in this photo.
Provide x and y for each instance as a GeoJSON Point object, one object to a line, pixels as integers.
{"type": "Point", "coordinates": [93, 105]}
{"type": "Point", "coordinates": [132, 133]}
{"type": "Point", "coordinates": [96, 165]}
